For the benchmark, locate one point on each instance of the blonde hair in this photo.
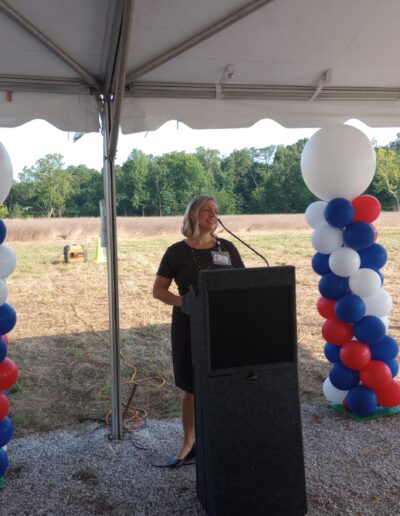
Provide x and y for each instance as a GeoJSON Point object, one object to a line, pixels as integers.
{"type": "Point", "coordinates": [190, 227]}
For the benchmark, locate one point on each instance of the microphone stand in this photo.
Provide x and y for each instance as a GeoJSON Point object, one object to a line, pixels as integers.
{"type": "Point", "coordinates": [244, 243]}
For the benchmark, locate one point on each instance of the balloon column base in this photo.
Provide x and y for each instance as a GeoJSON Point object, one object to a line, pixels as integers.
{"type": "Point", "coordinates": [381, 412]}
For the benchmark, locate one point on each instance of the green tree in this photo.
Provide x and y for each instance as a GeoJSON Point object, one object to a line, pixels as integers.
{"type": "Point", "coordinates": [221, 189]}
{"type": "Point", "coordinates": [50, 185]}
{"type": "Point", "coordinates": [19, 200]}
{"type": "Point", "coordinates": [16, 212]}
{"type": "Point", "coordinates": [177, 177]}
{"type": "Point", "coordinates": [395, 145]}
{"type": "Point", "coordinates": [159, 188]}
{"type": "Point", "coordinates": [132, 184]}
{"type": "Point", "coordinates": [244, 172]}
{"type": "Point", "coordinates": [87, 190]}
{"type": "Point", "coordinates": [236, 177]}
{"type": "Point", "coordinates": [283, 189]}
{"type": "Point", "coordinates": [386, 183]}
{"type": "Point", "coordinates": [264, 155]}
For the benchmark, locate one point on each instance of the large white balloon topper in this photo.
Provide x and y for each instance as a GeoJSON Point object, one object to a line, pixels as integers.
{"type": "Point", "coordinates": [6, 174]}
{"type": "Point", "coordinates": [338, 161]}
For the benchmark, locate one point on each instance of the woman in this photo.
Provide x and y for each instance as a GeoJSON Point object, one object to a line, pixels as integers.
{"type": "Point", "coordinates": [182, 263]}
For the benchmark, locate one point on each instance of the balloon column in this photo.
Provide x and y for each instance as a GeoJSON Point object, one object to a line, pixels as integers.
{"type": "Point", "coordinates": [8, 370]}
{"type": "Point", "coordinates": [338, 164]}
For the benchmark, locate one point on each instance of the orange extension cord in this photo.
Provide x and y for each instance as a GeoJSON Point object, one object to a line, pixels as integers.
{"type": "Point", "coordinates": [133, 417]}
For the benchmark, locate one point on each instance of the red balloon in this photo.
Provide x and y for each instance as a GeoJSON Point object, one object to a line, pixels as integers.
{"type": "Point", "coordinates": [336, 331]}
{"type": "Point", "coordinates": [376, 375]}
{"type": "Point", "coordinates": [355, 354]}
{"type": "Point", "coordinates": [326, 307]}
{"type": "Point", "coordinates": [366, 208]}
{"type": "Point", "coordinates": [4, 406]}
{"type": "Point", "coordinates": [390, 395]}
{"type": "Point", "coordinates": [8, 374]}
{"type": "Point", "coordinates": [6, 339]}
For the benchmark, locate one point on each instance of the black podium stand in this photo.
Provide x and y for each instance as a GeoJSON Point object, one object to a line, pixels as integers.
{"type": "Point", "coordinates": [248, 429]}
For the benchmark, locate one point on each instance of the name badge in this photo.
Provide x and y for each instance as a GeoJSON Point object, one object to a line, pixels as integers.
{"type": "Point", "coordinates": [221, 258]}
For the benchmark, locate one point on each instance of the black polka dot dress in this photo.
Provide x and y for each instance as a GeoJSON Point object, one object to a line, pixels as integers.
{"type": "Point", "coordinates": [182, 263]}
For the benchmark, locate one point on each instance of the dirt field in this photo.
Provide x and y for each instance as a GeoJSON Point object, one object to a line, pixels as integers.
{"type": "Point", "coordinates": [60, 340]}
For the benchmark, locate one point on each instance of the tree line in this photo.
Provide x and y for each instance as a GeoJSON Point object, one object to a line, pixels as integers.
{"type": "Point", "coordinates": [266, 180]}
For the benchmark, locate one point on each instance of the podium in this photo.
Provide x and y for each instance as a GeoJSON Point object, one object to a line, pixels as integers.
{"type": "Point", "coordinates": [249, 448]}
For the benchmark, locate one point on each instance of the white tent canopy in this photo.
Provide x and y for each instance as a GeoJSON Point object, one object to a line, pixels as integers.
{"type": "Point", "coordinates": [208, 63]}
{"type": "Point", "coordinates": [135, 64]}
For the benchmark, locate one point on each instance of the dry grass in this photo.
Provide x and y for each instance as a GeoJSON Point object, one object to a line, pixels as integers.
{"type": "Point", "coordinates": [60, 340]}
{"type": "Point", "coordinates": [76, 230]}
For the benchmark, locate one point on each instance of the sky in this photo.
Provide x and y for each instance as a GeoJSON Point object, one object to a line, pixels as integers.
{"type": "Point", "coordinates": [28, 143]}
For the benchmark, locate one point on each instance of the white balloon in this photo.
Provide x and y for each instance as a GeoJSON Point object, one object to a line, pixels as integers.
{"type": "Point", "coordinates": [3, 292]}
{"type": "Point", "coordinates": [8, 261]}
{"type": "Point", "coordinates": [315, 214]}
{"type": "Point", "coordinates": [326, 239]}
{"type": "Point", "coordinates": [6, 174]}
{"type": "Point", "coordinates": [385, 321]}
{"type": "Point", "coordinates": [333, 394]}
{"type": "Point", "coordinates": [344, 261]}
{"type": "Point", "coordinates": [365, 283]}
{"type": "Point", "coordinates": [338, 161]}
{"type": "Point", "coordinates": [379, 305]}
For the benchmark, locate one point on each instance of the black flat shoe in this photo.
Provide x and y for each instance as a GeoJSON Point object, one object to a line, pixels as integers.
{"type": "Point", "coordinates": [192, 453]}
{"type": "Point", "coordinates": [176, 463]}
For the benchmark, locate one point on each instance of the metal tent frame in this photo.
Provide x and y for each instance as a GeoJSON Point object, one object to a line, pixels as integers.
{"type": "Point", "coordinates": [110, 91]}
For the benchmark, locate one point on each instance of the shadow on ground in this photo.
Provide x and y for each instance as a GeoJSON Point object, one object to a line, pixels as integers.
{"type": "Point", "coordinates": [65, 379]}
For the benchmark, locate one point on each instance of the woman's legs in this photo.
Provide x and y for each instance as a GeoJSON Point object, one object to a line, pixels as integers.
{"type": "Point", "coordinates": [187, 414]}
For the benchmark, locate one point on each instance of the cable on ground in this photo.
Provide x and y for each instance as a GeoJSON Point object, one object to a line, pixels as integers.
{"type": "Point", "coordinates": [134, 418]}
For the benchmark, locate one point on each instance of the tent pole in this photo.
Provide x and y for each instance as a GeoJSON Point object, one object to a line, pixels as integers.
{"type": "Point", "coordinates": [111, 113]}
{"type": "Point", "coordinates": [112, 270]}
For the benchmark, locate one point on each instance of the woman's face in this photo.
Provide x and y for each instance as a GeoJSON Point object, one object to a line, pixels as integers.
{"type": "Point", "coordinates": [207, 216]}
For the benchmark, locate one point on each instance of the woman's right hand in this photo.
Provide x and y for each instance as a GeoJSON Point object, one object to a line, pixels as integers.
{"type": "Point", "coordinates": [161, 292]}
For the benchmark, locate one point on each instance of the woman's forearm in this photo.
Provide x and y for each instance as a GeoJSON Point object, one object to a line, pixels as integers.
{"type": "Point", "coordinates": [167, 297]}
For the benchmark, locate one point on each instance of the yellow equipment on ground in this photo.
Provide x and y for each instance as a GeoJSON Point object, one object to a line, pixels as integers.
{"type": "Point", "coordinates": [75, 254]}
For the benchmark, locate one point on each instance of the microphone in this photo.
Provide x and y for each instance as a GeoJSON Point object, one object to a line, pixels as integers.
{"type": "Point", "coordinates": [244, 243]}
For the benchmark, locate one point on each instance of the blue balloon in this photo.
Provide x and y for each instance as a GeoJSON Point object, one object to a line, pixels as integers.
{"type": "Point", "coordinates": [6, 430]}
{"type": "Point", "coordinates": [3, 462]}
{"type": "Point", "coordinates": [373, 257]}
{"type": "Point", "coordinates": [382, 277]}
{"type": "Point", "coordinates": [320, 263]}
{"type": "Point", "coordinates": [343, 378]}
{"type": "Point", "coordinates": [385, 350]}
{"type": "Point", "coordinates": [8, 318]}
{"type": "Point", "coordinates": [362, 400]}
{"type": "Point", "coordinates": [339, 212]}
{"type": "Point", "coordinates": [350, 308]}
{"type": "Point", "coordinates": [370, 330]}
{"type": "Point", "coordinates": [332, 286]}
{"type": "Point", "coordinates": [393, 366]}
{"type": "Point", "coordinates": [359, 235]}
{"type": "Point", "coordinates": [3, 231]}
{"type": "Point", "coordinates": [332, 352]}
{"type": "Point", "coordinates": [3, 349]}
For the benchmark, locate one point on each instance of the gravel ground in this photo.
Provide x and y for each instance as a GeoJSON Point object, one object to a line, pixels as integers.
{"type": "Point", "coordinates": [351, 469]}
